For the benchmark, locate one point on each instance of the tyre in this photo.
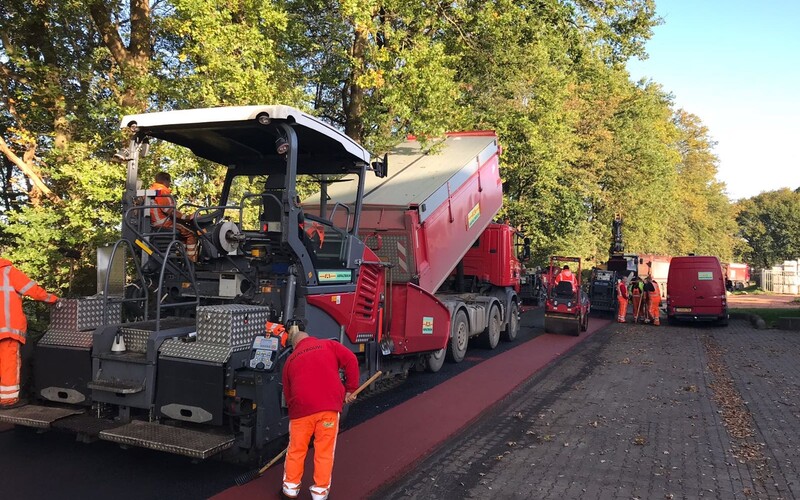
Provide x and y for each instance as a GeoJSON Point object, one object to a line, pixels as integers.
{"type": "Point", "coordinates": [435, 360]}
{"type": "Point", "coordinates": [491, 335]}
{"type": "Point", "coordinates": [512, 327]}
{"type": "Point", "coordinates": [459, 338]}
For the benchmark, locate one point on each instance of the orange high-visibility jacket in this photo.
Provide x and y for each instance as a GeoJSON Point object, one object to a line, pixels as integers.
{"type": "Point", "coordinates": [164, 198]}
{"type": "Point", "coordinates": [13, 285]}
{"type": "Point", "coordinates": [566, 275]}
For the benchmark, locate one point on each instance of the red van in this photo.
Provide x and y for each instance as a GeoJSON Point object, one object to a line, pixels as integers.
{"type": "Point", "coordinates": [696, 290]}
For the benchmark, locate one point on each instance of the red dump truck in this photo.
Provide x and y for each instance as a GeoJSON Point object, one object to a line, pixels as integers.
{"type": "Point", "coordinates": [737, 275]}
{"type": "Point", "coordinates": [398, 259]}
{"type": "Point", "coordinates": [454, 273]}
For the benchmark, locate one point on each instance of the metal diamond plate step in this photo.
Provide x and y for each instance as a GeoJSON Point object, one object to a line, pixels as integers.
{"type": "Point", "coordinates": [84, 424]}
{"type": "Point", "coordinates": [36, 416]}
{"type": "Point", "coordinates": [161, 437]}
{"type": "Point", "coordinates": [116, 386]}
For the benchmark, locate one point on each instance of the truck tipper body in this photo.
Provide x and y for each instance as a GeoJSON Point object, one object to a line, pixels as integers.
{"type": "Point", "coordinates": [173, 355]}
{"type": "Point", "coordinates": [431, 219]}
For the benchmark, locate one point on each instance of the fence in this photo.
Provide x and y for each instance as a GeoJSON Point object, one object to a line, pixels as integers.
{"type": "Point", "coordinates": [779, 281]}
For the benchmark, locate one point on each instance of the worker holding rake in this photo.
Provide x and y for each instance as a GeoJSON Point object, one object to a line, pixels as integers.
{"type": "Point", "coordinates": [315, 396]}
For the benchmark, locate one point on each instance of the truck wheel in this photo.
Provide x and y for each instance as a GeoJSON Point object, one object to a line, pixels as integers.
{"type": "Point", "coordinates": [512, 327]}
{"type": "Point", "coordinates": [459, 338]}
{"type": "Point", "coordinates": [435, 360]}
{"type": "Point", "coordinates": [491, 335]}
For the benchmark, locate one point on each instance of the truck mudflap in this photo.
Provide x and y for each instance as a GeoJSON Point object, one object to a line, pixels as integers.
{"type": "Point", "coordinates": [40, 417]}
{"type": "Point", "coordinates": [154, 436]}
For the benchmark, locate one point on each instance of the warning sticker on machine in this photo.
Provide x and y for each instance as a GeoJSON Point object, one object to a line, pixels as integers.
{"type": "Point", "coordinates": [705, 275]}
{"type": "Point", "coordinates": [473, 215]}
{"type": "Point", "coordinates": [427, 325]}
{"type": "Point", "coordinates": [333, 276]}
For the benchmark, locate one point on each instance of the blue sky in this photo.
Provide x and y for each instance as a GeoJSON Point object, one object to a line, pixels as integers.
{"type": "Point", "coordinates": [736, 65]}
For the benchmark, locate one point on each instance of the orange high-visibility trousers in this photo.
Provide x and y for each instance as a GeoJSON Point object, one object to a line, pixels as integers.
{"type": "Point", "coordinates": [653, 301]}
{"type": "Point", "coordinates": [622, 309]}
{"type": "Point", "coordinates": [187, 235]}
{"type": "Point", "coordinates": [10, 363]}
{"type": "Point", "coordinates": [324, 426]}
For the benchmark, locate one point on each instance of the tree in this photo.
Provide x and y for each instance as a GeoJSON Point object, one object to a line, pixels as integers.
{"type": "Point", "coordinates": [770, 225]}
{"type": "Point", "coordinates": [705, 222]}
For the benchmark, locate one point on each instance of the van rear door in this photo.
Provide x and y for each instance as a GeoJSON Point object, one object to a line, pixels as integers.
{"type": "Point", "coordinates": [709, 288]}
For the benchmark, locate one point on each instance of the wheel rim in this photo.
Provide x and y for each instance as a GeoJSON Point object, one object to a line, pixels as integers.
{"type": "Point", "coordinates": [461, 336]}
{"type": "Point", "coordinates": [495, 326]}
{"type": "Point", "coordinates": [514, 327]}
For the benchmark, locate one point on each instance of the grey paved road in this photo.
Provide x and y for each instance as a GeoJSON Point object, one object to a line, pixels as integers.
{"type": "Point", "coordinates": [637, 412]}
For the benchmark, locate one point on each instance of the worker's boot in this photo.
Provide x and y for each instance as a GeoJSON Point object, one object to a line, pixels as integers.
{"type": "Point", "coordinates": [318, 493]}
{"type": "Point", "coordinates": [290, 490]}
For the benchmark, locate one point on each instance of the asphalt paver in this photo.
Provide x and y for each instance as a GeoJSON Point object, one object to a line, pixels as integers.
{"type": "Point", "coordinates": [635, 412]}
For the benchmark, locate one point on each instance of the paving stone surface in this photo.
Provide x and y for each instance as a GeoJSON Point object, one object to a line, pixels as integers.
{"type": "Point", "coordinates": [636, 412]}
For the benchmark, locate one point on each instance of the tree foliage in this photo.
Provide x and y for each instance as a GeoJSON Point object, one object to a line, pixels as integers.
{"type": "Point", "coordinates": [769, 225]}
{"type": "Point", "coordinates": [580, 141]}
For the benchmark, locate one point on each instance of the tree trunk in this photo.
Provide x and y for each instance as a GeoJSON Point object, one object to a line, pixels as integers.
{"type": "Point", "coordinates": [353, 105]}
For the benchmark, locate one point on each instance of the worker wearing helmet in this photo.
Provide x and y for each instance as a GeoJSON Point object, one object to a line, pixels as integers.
{"type": "Point", "coordinates": [622, 301]}
{"type": "Point", "coordinates": [162, 216]}
{"type": "Point", "coordinates": [315, 395]}
{"type": "Point", "coordinates": [653, 300]}
{"type": "Point", "coordinates": [636, 293]}
{"type": "Point", "coordinates": [14, 284]}
{"type": "Point", "coordinates": [566, 275]}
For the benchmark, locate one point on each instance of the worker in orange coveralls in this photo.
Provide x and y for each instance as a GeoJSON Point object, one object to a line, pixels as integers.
{"type": "Point", "coordinates": [13, 328]}
{"type": "Point", "coordinates": [653, 300]}
{"type": "Point", "coordinates": [622, 301]}
{"type": "Point", "coordinates": [566, 275]}
{"type": "Point", "coordinates": [315, 395]}
{"type": "Point", "coordinates": [637, 296]}
{"type": "Point", "coordinates": [162, 217]}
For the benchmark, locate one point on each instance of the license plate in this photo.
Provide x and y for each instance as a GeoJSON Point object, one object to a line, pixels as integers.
{"type": "Point", "coordinates": [683, 309]}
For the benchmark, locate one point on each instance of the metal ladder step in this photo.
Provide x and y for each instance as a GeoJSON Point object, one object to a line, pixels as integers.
{"type": "Point", "coordinates": [40, 417]}
{"type": "Point", "coordinates": [162, 437]}
{"type": "Point", "coordinates": [116, 386]}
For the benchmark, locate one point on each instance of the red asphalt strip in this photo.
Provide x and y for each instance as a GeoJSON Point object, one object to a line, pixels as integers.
{"type": "Point", "coordinates": [384, 447]}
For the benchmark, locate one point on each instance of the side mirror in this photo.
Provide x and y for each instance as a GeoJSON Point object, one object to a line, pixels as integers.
{"type": "Point", "coordinates": [381, 167]}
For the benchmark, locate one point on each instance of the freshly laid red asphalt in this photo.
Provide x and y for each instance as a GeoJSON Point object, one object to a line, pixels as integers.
{"type": "Point", "coordinates": [381, 449]}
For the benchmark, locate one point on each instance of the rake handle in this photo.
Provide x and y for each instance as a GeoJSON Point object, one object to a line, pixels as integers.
{"type": "Point", "coordinates": [368, 381]}
{"type": "Point", "coordinates": [272, 462]}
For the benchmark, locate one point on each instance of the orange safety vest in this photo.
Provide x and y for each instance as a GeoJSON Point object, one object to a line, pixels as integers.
{"type": "Point", "coordinates": [163, 198]}
{"type": "Point", "coordinates": [622, 290]}
{"type": "Point", "coordinates": [13, 285]}
{"type": "Point", "coordinates": [566, 275]}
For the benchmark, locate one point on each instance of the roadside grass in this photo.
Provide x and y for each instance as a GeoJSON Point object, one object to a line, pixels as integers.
{"type": "Point", "coordinates": [770, 316]}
